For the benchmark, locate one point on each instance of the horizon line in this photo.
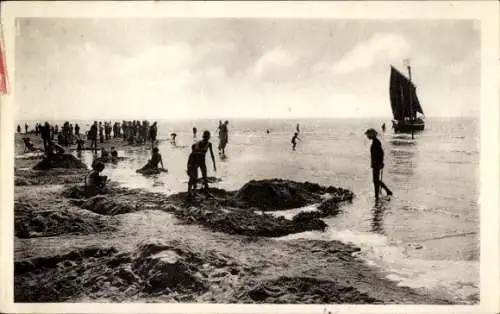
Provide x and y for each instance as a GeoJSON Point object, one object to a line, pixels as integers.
{"type": "Point", "coordinates": [237, 118]}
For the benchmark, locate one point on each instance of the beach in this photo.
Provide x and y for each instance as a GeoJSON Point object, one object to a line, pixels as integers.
{"type": "Point", "coordinates": [319, 239]}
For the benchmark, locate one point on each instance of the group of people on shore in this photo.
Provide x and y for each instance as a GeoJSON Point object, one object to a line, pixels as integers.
{"type": "Point", "coordinates": [142, 132]}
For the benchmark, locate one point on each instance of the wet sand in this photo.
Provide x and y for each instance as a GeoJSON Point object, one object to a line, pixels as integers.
{"type": "Point", "coordinates": [73, 244]}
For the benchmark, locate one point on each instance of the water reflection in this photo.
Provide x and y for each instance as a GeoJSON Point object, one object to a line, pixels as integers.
{"type": "Point", "coordinates": [403, 156]}
{"type": "Point", "coordinates": [378, 217]}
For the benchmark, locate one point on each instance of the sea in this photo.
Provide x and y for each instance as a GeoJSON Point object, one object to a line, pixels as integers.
{"type": "Point", "coordinates": [425, 236]}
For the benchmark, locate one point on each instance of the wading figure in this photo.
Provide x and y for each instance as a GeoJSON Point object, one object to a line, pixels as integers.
{"type": "Point", "coordinates": [223, 137]}
{"type": "Point", "coordinates": [172, 140]}
{"type": "Point", "coordinates": [93, 136]}
{"type": "Point", "coordinates": [101, 133]}
{"type": "Point", "coordinates": [77, 130]}
{"type": "Point", "coordinates": [192, 170]}
{"type": "Point", "coordinates": [377, 162]}
{"type": "Point", "coordinates": [294, 140]}
{"type": "Point", "coordinates": [46, 136]}
{"type": "Point", "coordinates": [195, 130]}
{"type": "Point", "coordinates": [201, 148]}
{"type": "Point", "coordinates": [153, 132]}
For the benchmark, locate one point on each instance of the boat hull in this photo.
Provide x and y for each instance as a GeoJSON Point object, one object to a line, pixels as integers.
{"type": "Point", "coordinates": [407, 127]}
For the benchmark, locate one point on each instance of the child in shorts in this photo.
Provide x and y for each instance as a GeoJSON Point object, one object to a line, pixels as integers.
{"type": "Point", "coordinates": [192, 170]}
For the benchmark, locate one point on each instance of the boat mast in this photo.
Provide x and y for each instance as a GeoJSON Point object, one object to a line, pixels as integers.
{"type": "Point", "coordinates": [410, 97]}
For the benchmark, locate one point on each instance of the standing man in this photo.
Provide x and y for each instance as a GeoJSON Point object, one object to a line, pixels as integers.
{"type": "Point", "coordinates": [93, 136]}
{"type": "Point", "coordinates": [46, 137]}
{"type": "Point", "coordinates": [223, 137]}
{"type": "Point", "coordinates": [377, 162]}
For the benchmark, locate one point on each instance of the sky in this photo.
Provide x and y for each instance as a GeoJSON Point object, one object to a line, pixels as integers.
{"type": "Point", "coordinates": [255, 68]}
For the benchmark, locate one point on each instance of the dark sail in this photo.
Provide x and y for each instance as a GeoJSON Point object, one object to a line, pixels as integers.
{"type": "Point", "coordinates": [403, 95]}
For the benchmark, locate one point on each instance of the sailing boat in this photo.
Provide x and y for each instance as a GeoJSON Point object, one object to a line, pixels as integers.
{"type": "Point", "coordinates": [405, 104]}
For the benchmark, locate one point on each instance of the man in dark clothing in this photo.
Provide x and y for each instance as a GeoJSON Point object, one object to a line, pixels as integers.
{"type": "Point", "coordinates": [93, 136]}
{"type": "Point", "coordinates": [46, 136]}
{"type": "Point", "coordinates": [77, 130]}
{"type": "Point", "coordinates": [377, 162]}
{"type": "Point", "coordinates": [153, 132]}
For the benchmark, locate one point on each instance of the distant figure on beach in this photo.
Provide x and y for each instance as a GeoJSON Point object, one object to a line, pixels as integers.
{"type": "Point", "coordinates": [173, 136]}
{"type": "Point", "coordinates": [77, 130]}
{"type": "Point", "coordinates": [58, 149]}
{"type": "Point", "coordinates": [201, 149]}
{"type": "Point", "coordinates": [101, 133]}
{"type": "Point", "coordinates": [195, 130]}
{"type": "Point", "coordinates": [297, 128]}
{"type": "Point", "coordinates": [46, 136]}
{"type": "Point", "coordinates": [294, 140]}
{"type": "Point", "coordinates": [93, 136]}
{"type": "Point", "coordinates": [26, 127]}
{"type": "Point", "coordinates": [383, 127]}
{"type": "Point", "coordinates": [95, 179]}
{"type": "Point", "coordinates": [223, 137]}
{"type": "Point", "coordinates": [267, 131]}
{"type": "Point", "coordinates": [377, 162]}
{"type": "Point", "coordinates": [192, 170]}
{"type": "Point", "coordinates": [79, 144]}
{"type": "Point", "coordinates": [153, 132]}
{"type": "Point", "coordinates": [104, 153]}
{"type": "Point", "coordinates": [18, 128]}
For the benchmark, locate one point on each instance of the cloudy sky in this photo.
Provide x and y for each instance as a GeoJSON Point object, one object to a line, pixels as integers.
{"type": "Point", "coordinates": [195, 68]}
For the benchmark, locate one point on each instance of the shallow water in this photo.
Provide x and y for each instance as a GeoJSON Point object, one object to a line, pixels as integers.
{"type": "Point", "coordinates": [425, 236]}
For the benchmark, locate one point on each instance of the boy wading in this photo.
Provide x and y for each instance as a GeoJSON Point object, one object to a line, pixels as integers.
{"type": "Point", "coordinates": [377, 162]}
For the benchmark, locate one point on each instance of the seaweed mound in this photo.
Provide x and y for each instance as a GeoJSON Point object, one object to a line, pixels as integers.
{"type": "Point", "coordinates": [277, 194]}
{"type": "Point", "coordinates": [55, 176]}
{"type": "Point", "coordinates": [274, 195]}
{"type": "Point", "coordinates": [66, 161]}
{"type": "Point", "coordinates": [31, 222]}
{"type": "Point", "coordinates": [103, 205]}
{"type": "Point", "coordinates": [173, 269]}
{"type": "Point", "coordinates": [248, 223]}
{"type": "Point", "coordinates": [304, 290]}
{"type": "Point", "coordinates": [84, 192]}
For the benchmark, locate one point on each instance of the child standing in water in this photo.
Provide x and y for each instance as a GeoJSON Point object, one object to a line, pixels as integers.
{"type": "Point", "coordinates": [294, 140]}
{"type": "Point", "coordinates": [195, 130]}
{"type": "Point", "coordinates": [201, 148]}
{"type": "Point", "coordinates": [223, 137]}
{"type": "Point", "coordinates": [173, 135]}
{"type": "Point", "coordinates": [192, 170]}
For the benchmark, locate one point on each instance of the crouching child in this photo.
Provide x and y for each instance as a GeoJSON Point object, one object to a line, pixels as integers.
{"type": "Point", "coordinates": [95, 179]}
